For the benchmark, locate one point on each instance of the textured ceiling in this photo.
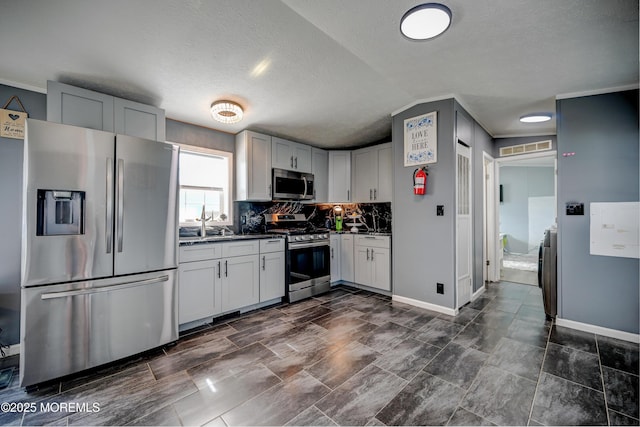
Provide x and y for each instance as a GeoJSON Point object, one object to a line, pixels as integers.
{"type": "Point", "coordinates": [333, 71]}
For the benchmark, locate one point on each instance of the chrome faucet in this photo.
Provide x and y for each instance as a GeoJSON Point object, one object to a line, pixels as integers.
{"type": "Point", "coordinates": [203, 222]}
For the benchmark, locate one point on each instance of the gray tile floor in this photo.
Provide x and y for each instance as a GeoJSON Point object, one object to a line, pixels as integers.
{"type": "Point", "coordinates": [356, 358]}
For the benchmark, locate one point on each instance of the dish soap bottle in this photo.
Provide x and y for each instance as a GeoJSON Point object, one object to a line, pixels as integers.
{"type": "Point", "coordinates": [338, 212]}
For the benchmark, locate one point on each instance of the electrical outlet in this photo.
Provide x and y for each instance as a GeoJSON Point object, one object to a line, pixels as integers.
{"type": "Point", "coordinates": [243, 219]}
{"type": "Point", "coordinates": [440, 288]}
{"type": "Point", "coordinates": [440, 210]}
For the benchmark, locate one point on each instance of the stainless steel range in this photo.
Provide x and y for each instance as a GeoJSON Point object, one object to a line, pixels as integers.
{"type": "Point", "coordinates": [307, 255]}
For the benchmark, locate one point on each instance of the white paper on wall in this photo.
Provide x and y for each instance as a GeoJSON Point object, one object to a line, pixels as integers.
{"type": "Point", "coordinates": [615, 229]}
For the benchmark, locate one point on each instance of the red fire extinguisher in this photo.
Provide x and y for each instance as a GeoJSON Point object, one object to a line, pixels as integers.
{"type": "Point", "coordinates": [419, 181]}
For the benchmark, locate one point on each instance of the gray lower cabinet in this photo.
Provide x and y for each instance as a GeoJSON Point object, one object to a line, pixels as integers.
{"type": "Point", "coordinates": [346, 258]}
{"type": "Point", "coordinates": [373, 261]}
{"type": "Point", "coordinates": [199, 282]}
{"type": "Point", "coordinates": [85, 108]}
{"type": "Point", "coordinates": [240, 282]}
{"type": "Point", "coordinates": [216, 278]}
{"type": "Point", "coordinates": [335, 241]}
{"type": "Point", "coordinates": [200, 290]}
{"type": "Point", "coordinates": [272, 284]}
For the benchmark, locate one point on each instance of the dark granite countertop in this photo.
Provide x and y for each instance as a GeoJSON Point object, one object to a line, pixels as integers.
{"type": "Point", "coordinates": [370, 233]}
{"type": "Point", "coordinates": [188, 241]}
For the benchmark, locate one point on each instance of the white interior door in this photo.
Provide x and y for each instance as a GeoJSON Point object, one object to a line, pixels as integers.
{"type": "Point", "coordinates": [464, 240]}
{"type": "Point", "coordinates": [490, 236]}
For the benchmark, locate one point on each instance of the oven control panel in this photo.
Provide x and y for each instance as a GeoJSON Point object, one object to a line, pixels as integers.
{"type": "Point", "coordinates": [308, 237]}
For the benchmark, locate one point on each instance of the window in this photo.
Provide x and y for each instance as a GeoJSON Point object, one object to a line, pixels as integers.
{"type": "Point", "coordinates": [205, 179]}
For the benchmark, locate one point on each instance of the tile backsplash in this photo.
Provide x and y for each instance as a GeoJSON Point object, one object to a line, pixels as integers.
{"type": "Point", "coordinates": [248, 216]}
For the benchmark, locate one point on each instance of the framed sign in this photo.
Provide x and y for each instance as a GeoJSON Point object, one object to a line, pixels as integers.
{"type": "Point", "coordinates": [12, 122]}
{"type": "Point", "coordinates": [421, 139]}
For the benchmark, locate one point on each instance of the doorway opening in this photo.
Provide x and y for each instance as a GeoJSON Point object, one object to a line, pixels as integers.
{"type": "Point", "coordinates": [526, 206]}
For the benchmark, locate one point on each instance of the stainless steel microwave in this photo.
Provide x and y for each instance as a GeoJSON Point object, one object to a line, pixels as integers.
{"type": "Point", "coordinates": [290, 185]}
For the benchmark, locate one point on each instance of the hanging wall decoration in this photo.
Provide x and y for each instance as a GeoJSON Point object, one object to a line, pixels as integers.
{"type": "Point", "coordinates": [12, 122]}
{"type": "Point", "coordinates": [421, 139]}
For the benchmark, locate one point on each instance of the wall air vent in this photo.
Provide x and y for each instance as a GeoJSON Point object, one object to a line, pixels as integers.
{"type": "Point", "coordinates": [532, 147]}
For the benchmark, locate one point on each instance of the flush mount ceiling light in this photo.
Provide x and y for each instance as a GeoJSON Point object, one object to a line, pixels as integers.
{"type": "Point", "coordinates": [226, 111]}
{"type": "Point", "coordinates": [535, 118]}
{"type": "Point", "coordinates": [425, 21]}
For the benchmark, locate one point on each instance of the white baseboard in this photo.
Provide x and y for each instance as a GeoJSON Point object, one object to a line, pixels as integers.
{"type": "Point", "coordinates": [586, 327]}
{"type": "Point", "coordinates": [426, 305]}
{"type": "Point", "coordinates": [477, 293]}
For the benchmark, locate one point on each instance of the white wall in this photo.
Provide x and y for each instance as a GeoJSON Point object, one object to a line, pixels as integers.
{"type": "Point", "coordinates": [528, 205]}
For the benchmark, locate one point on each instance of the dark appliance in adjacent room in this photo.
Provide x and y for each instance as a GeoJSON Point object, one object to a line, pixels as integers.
{"type": "Point", "coordinates": [307, 255]}
{"type": "Point", "coordinates": [548, 271]}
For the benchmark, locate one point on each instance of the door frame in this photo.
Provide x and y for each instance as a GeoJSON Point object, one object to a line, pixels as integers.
{"type": "Point", "coordinates": [490, 271]}
{"type": "Point", "coordinates": [471, 237]}
{"type": "Point", "coordinates": [510, 159]}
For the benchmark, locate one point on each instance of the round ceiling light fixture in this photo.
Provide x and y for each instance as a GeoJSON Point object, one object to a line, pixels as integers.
{"type": "Point", "coordinates": [536, 118]}
{"type": "Point", "coordinates": [425, 21]}
{"type": "Point", "coordinates": [226, 111]}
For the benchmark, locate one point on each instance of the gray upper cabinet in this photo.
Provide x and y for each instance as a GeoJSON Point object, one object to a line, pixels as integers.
{"type": "Point", "coordinates": [135, 119]}
{"type": "Point", "coordinates": [320, 170]}
{"type": "Point", "coordinates": [253, 166]}
{"type": "Point", "coordinates": [372, 176]}
{"type": "Point", "coordinates": [340, 176]}
{"type": "Point", "coordinates": [85, 108]}
{"type": "Point", "coordinates": [290, 155]}
{"type": "Point", "coordinates": [75, 106]}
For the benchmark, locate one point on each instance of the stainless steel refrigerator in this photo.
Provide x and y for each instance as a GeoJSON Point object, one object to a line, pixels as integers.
{"type": "Point", "coordinates": [99, 249]}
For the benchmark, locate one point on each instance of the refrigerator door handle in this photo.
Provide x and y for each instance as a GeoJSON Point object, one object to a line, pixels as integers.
{"type": "Point", "coordinates": [120, 193]}
{"type": "Point", "coordinates": [65, 294]}
{"type": "Point", "coordinates": [109, 222]}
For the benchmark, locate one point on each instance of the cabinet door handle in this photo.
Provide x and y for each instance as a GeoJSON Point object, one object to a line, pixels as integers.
{"type": "Point", "coordinates": [331, 253]}
{"type": "Point", "coordinates": [263, 261]}
{"type": "Point", "coordinates": [219, 269]}
{"type": "Point", "coordinates": [370, 194]}
{"type": "Point", "coordinates": [120, 195]}
{"type": "Point", "coordinates": [367, 254]}
{"type": "Point", "coordinates": [291, 161]}
{"type": "Point", "coordinates": [371, 254]}
{"type": "Point", "coordinates": [226, 269]}
{"type": "Point", "coordinates": [348, 195]}
{"type": "Point", "coordinates": [375, 195]}
{"type": "Point", "coordinates": [296, 163]}
{"type": "Point", "coordinates": [109, 224]}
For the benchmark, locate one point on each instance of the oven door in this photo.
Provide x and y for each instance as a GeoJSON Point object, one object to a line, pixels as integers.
{"type": "Point", "coordinates": [307, 264]}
